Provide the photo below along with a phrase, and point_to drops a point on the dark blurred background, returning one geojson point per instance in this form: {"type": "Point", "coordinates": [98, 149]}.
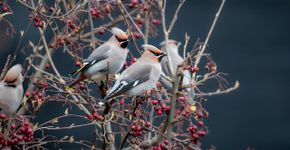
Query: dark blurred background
{"type": "Point", "coordinates": [251, 42]}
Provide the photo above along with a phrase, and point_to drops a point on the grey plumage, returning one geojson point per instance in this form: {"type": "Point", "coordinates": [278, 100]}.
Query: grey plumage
{"type": "Point", "coordinates": [171, 61]}
{"type": "Point", "coordinates": [139, 77]}
{"type": "Point", "coordinates": [107, 59]}
{"type": "Point", "coordinates": [11, 90]}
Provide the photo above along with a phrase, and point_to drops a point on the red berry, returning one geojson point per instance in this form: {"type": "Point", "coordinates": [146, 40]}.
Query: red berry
{"type": "Point", "coordinates": [2, 116]}
{"type": "Point", "coordinates": [194, 69]}
{"type": "Point", "coordinates": [134, 2]}
{"type": "Point", "coordinates": [60, 41]}
{"type": "Point", "coordinates": [78, 63]}
{"type": "Point", "coordinates": [145, 7]}
{"type": "Point", "coordinates": [36, 24]}
{"type": "Point", "coordinates": [41, 23]}
{"type": "Point", "coordinates": [108, 9]}
{"type": "Point", "coordinates": [200, 123]}
{"type": "Point", "coordinates": [199, 114]}
{"type": "Point", "coordinates": [138, 133]}
{"type": "Point", "coordinates": [156, 108]}
{"type": "Point", "coordinates": [4, 8]}
{"type": "Point", "coordinates": [26, 123]}
{"type": "Point", "coordinates": [137, 35]}
{"type": "Point", "coordinates": [163, 106]}
{"type": "Point", "coordinates": [156, 22]}
{"type": "Point", "coordinates": [195, 136]}
{"type": "Point", "coordinates": [148, 124]}
{"type": "Point", "coordinates": [134, 59]}
{"type": "Point", "coordinates": [69, 22]}
{"type": "Point", "coordinates": [201, 133]}
{"type": "Point", "coordinates": [138, 128]}
{"type": "Point", "coordinates": [95, 115]}
{"type": "Point", "coordinates": [158, 85]}
{"type": "Point", "coordinates": [82, 87]}
{"type": "Point", "coordinates": [90, 117]}
{"type": "Point", "coordinates": [22, 129]}
{"type": "Point", "coordinates": [122, 102]}
{"type": "Point", "coordinates": [47, 66]}
{"type": "Point", "coordinates": [13, 126]}
{"type": "Point", "coordinates": [167, 110]}
{"type": "Point", "coordinates": [186, 111]}
{"type": "Point", "coordinates": [27, 94]}
{"type": "Point", "coordinates": [182, 98]}
{"type": "Point", "coordinates": [154, 102]}
{"type": "Point", "coordinates": [166, 142]}
{"type": "Point", "coordinates": [159, 112]}
{"type": "Point", "coordinates": [133, 127]}
{"type": "Point", "coordinates": [101, 31]}
{"type": "Point", "coordinates": [29, 131]}
{"type": "Point", "coordinates": [36, 19]}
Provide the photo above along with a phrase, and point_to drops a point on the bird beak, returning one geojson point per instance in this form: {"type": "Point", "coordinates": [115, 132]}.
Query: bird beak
{"type": "Point", "coordinates": [161, 56]}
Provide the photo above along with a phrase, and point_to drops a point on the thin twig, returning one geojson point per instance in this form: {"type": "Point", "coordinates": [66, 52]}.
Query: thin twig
{"type": "Point", "coordinates": [204, 45]}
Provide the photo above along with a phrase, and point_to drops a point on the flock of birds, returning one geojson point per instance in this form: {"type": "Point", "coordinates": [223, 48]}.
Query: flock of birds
{"type": "Point", "coordinates": [107, 60]}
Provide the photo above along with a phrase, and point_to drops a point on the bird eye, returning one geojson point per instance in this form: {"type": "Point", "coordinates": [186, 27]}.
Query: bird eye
{"type": "Point", "coordinates": [124, 44]}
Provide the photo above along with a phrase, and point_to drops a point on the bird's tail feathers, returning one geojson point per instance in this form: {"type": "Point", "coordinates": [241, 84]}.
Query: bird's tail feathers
{"type": "Point", "coordinates": [69, 87]}
{"type": "Point", "coordinates": [77, 71]}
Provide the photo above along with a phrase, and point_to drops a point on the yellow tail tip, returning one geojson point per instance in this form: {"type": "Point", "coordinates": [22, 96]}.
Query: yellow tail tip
{"type": "Point", "coordinates": [192, 108]}
{"type": "Point", "coordinates": [68, 88]}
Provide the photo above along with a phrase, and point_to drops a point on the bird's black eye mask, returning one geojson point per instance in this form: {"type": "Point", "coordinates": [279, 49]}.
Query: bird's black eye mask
{"type": "Point", "coordinates": [156, 54]}
{"type": "Point", "coordinates": [123, 42]}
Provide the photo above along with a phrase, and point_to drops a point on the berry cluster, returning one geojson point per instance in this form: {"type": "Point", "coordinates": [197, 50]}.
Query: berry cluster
{"type": "Point", "coordinates": [196, 133]}
{"type": "Point", "coordinates": [72, 25]}
{"type": "Point", "coordinates": [137, 127]}
{"type": "Point", "coordinates": [94, 116]}
{"type": "Point", "coordinates": [38, 22]}
{"type": "Point", "coordinates": [18, 130]}
{"type": "Point", "coordinates": [162, 146]}
{"type": "Point", "coordinates": [37, 95]}
{"type": "Point", "coordinates": [160, 107]}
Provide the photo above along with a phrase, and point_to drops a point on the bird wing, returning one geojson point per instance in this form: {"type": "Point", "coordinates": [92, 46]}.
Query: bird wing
{"type": "Point", "coordinates": [99, 54]}
{"type": "Point", "coordinates": [131, 78]}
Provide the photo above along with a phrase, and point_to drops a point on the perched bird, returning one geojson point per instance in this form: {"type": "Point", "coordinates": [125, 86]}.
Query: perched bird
{"type": "Point", "coordinates": [140, 76]}
{"type": "Point", "coordinates": [171, 61]}
{"type": "Point", "coordinates": [107, 59]}
{"type": "Point", "coordinates": [11, 90]}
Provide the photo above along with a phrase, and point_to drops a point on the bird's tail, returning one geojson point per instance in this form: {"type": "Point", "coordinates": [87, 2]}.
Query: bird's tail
{"type": "Point", "coordinates": [77, 71]}
{"type": "Point", "coordinates": [69, 87]}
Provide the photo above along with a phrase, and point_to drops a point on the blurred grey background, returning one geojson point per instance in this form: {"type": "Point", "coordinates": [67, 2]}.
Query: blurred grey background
{"type": "Point", "coordinates": [251, 42]}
